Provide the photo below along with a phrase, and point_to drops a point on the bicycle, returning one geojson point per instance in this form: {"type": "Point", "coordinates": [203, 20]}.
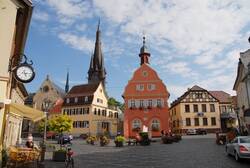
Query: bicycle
{"type": "Point", "coordinates": [69, 162]}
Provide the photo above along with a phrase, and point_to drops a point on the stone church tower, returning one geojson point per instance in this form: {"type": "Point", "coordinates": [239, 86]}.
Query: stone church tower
{"type": "Point", "coordinates": [97, 72]}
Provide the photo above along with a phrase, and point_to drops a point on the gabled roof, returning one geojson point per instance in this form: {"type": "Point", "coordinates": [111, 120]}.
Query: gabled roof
{"type": "Point", "coordinates": [86, 89]}
{"type": "Point", "coordinates": [194, 88]}
{"type": "Point", "coordinates": [197, 88]}
{"type": "Point", "coordinates": [59, 89]}
{"type": "Point", "coordinates": [222, 96]}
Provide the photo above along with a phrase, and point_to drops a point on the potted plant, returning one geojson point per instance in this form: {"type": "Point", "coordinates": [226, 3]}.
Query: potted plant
{"type": "Point", "coordinates": [144, 139]}
{"type": "Point", "coordinates": [91, 140]}
{"type": "Point", "coordinates": [119, 141]}
{"type": "Point", "coordinates": [104, 140]}
{"type": "Point", "coordinates": [59, 155]}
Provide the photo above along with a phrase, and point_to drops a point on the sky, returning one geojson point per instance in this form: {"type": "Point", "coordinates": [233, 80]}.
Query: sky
{"type": "Point", "coordinates": [194, 42]}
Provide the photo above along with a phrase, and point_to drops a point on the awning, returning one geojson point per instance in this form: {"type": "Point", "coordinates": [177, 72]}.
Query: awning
{"type": "Point", "coordinates": [25, 111]}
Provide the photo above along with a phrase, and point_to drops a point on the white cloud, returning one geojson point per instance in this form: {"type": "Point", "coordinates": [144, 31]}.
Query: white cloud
{"type": "Point", "coordinates": [79, 43]}
{"type": "Point", "coordinates": [68, 11]}
{"type": "Point", "coordinates": [40, 15]}
{"type": "Point", "coordinates": [180, 68]}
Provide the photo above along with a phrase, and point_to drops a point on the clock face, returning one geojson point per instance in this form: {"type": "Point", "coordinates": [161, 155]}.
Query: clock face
{"type": "Point", "coordinates": [24, 73]}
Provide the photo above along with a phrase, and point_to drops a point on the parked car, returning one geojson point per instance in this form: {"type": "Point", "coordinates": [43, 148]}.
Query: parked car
{"type": "Point", "coordinates": [201, 131]}
{"type": "Point", "coordinates": [63, 139]}
{"type": "Point", "coordinates": [239, 147]}
{"type": "Point", "coordinates": [191, 132]}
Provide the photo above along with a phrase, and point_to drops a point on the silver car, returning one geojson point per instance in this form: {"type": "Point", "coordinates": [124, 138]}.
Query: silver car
{"type": "Point", "coordinates": [239, 148]}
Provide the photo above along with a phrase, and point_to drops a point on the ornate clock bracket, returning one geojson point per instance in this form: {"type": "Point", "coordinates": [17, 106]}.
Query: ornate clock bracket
{"type": "Point", "coordinates": [25, 62]}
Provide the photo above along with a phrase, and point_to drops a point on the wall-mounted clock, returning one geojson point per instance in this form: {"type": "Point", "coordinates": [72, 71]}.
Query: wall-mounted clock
{"type": "Point", "coordinates": [24, 73]}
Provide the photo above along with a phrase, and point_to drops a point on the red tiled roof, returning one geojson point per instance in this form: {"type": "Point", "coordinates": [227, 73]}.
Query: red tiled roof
{"type": "Point", "coordinates": [57, 107]}
{"type": "Point", "coordinates": [222, 96]}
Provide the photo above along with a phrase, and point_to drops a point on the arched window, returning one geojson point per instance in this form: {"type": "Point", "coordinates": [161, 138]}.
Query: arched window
{"type": "Point", "coordinates": [136, 123]}
{"type": "Point", "coordinates": [155, 124]}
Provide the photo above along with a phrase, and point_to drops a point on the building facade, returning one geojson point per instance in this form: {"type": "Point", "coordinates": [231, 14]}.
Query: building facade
{"type": "Point", "coordinates": [87, 106]}
{"type": "Point", "coordinates": [227, 113]}
{"type": "Point", "coordinates": [48, 91]}
{"type": "Point", "coordinates": [196, 108]}
{"type": "Point", "coordinates": [146, 100]}
{"type": "Point", "coordinates": [242, 88]}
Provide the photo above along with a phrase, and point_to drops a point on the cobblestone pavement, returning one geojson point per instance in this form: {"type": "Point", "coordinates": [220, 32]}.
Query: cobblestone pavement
{"type": "Point", "coordinates": [191, 152]}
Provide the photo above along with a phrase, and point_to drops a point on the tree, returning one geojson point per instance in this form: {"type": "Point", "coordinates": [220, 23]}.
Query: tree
{"type": "Point", "coordinates": [58, 124]}
{"type": "Point", "coordinates": [114, 103]}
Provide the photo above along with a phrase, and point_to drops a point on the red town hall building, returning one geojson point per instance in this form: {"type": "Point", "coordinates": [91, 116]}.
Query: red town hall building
{"type": "Point", "coordinates": [146, 100]}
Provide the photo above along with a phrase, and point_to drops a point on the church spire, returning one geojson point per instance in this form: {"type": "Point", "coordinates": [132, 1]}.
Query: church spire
{"type": "Point", "coordinates": [67, 82]}
{"type": "Point", "coordinates": [144, 53]}
{"type": "Point", "coordinates": [97, 72]}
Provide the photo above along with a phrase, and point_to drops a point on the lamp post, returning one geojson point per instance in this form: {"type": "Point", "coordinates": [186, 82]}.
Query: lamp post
{"type": "Point", "coordinates": [238, 118]}
{"type": "Point", "coordinates": [46, 105]}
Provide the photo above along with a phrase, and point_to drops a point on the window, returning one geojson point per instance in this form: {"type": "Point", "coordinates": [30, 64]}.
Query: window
{"type": "Point", "coordinates": [103, 112]}
{"type": "Point", "coordinates": [187, 108]}
{"type": "Point", "coordinates": [155, 124]}
{"type": "Point", "coordinates": [76, 99]}
{"type": "Point", "coordinates": [204, 121]}
{"type": "Point", "coordinates": [196, 122]}
{"type": "Point", "coordinates": [213, 121]}
{"type": "Point", "coordinates": [136, 123]}
{"type": "Point", "coordinates": [150, 104]}
{"type": "Point", "coordinates": [81, 124]}
{"type": "Point", "coordinates": [139, 87]}
{"type": "Point", "coordinates": [223, 109]}
{"type": "Point", "coordinates": [195, 108]}
{"type": "Point", "coordinates": [86, 99]}
{"type": "Point", "coordinates": [133, 103]}
{"type": "Point", "coordinates": [212, 108]}
{"type": "Point", "coordinates": [80, 111]}
{"type": "Point", "coordinates": [95, 111]}
{"type": "Point", "coordinates": [45, 89]}
{"type": "Point", "coordinates": [151, 87]}
{"type": "Point", "coordinates": [99, 100]}
{"type": "Point", "coordinates": [141, 103]}
{"type": "Point", "coordinates": [145, 73]}
{"type": "Point", "coordinates": [198, 95]}
{"type": "Point", "coordinates": [204, 108]}
{"type": "Point", "coordinates": [99, 112]}
{"type": "Point", "coordinates": [188, 122]}
{"type": "Point", "coordinates": [88, 110]}
{"type": "Point", "coordinates": [67, 100]}
{"type": "Point", "coordinates": [158, 102]}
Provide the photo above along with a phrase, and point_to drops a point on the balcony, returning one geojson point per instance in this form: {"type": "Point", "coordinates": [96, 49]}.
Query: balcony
{"type": "Point", "coordinates": [227, 115]}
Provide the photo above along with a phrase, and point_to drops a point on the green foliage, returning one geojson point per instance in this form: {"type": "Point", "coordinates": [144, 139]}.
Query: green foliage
{"type": "Point", "coordinates": [120, 138]}
{"type": "Point", "coordinates": [113, 102]}
{"type": "Point", "coordinates": [58, 124]}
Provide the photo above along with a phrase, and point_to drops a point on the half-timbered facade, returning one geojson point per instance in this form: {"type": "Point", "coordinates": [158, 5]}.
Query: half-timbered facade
{"type": "Point", "coordinates": [196, 108]}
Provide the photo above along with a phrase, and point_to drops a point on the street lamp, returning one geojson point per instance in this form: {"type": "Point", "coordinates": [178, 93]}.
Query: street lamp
{"type": "Point", "coordinates": [238, 118]}
{"type": "Point", "coordinates": [45, 106]}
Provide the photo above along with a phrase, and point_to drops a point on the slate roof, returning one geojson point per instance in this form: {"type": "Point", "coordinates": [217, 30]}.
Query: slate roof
{"type": "Point", "coordinates": [86, 89]}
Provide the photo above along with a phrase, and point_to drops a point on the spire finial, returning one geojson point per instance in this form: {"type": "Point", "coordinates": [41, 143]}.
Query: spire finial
{"type": "Point", "coordinates": [67, 82]}
{"type": "Point", "coordinates": [98, 27]}
{"type": "Point", "coordinates": [144, 39]}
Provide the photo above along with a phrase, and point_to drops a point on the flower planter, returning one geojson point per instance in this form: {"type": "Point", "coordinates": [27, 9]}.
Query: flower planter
{"type": "Point", "coordinates": [118, 144]}
{"type": "Point", "coordinates": [59, 156]}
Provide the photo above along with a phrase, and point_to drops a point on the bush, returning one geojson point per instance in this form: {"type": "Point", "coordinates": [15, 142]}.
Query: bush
{"type": "Point", "coordinates": [91, 140]}
{"type": "Point", "coordinates": [104, 141]}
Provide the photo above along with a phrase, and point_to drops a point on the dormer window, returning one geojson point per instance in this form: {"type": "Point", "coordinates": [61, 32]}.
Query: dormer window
{"type": "Point", "coordinates": [67, 100]}
{"type": "Point", "coordinates": [86, 99]}
{"type": "Point", "coordinates": [151, 87]}
{"type": "Point", "coordinates": [139, 87]}
{"type": "Point", "coordinates": [76, 99]}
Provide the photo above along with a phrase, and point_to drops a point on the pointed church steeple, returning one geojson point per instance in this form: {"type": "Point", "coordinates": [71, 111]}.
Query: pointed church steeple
{"type": "Point", "coordinates": [144, 53]}
{"type": "Point", "coordinates": [97, 72]}
{"type": "Point", "coordinates": [67, 83]}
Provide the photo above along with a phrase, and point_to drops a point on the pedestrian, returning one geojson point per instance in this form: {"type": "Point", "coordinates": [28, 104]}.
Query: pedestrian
{"type": "Point", "coordinates": [29, 142]}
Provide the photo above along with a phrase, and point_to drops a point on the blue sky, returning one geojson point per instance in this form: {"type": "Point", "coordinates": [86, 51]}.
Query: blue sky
{"type": "Point", "coordinates": [191, 42]}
